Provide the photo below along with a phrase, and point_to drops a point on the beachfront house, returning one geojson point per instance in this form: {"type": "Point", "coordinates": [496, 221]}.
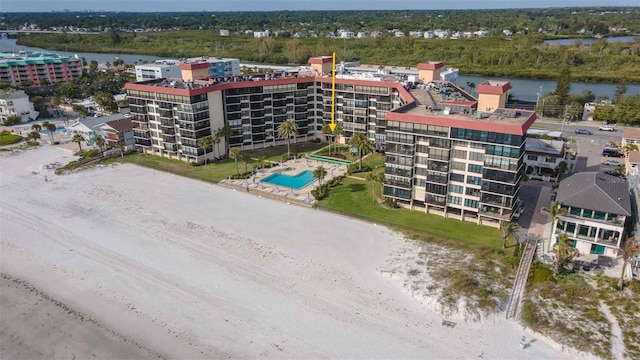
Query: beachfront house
{"type": "Point", "coordinates": [119, 131]}
{"type": "Point", "coordinates": [542, 158]}
{"type": "Point", "coordinates": [598, 209]}
{"type": "Point", "coordinates": [16, 103]}
{"type": "Point", "coordinates": [91, 127]}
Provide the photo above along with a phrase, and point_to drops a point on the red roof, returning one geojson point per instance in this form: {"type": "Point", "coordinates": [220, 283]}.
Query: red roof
{"type": "Point", "coordinates": [120, 125]}
{"type": "Point", "coordinates": [430, 65]}
{"type": "Point", "coordinates": [194, 66]}
{"type": "Point", "coordinates": [493, 87]}
{"type": "Point", "coordinates": [321, 60]}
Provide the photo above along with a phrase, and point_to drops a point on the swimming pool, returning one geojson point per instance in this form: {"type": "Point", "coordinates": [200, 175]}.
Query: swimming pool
{"type": "Point", "coordinates": [59, 128]}
{"type": "Point", "coordinates": [297, 181]}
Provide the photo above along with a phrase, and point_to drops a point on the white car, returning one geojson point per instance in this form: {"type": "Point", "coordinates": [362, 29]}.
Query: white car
{"type": "Point", "coordinates": [606, 128]}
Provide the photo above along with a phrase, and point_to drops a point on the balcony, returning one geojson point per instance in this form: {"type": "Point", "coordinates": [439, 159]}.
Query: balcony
{"type": "Point", "coordinates": [402, 184]}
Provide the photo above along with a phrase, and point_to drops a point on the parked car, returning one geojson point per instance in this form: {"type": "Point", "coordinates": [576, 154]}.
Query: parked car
{"type": "Point", "coordinates": [610, 152]}
{"type": "Point", "coordinates": [518, 211]}
{"type": "Point", "coordinates": [606, 128]}
{"type": "Point", "coordinates": [614, 173]}
{"type": "Point", "coordinates": [583, 132]}
{"type": "Point", "coordinates": [612, 163]}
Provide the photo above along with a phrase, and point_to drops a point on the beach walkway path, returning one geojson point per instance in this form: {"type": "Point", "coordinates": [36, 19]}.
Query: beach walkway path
{"type": "Point", "coordinates": [517, 292]}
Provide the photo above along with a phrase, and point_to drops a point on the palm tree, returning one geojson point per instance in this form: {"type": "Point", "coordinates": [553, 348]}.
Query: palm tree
{"type": "Point", "coordinates": [216, 138]}
{"type": "Point", "coordinates": [78, 139]}
{"type": "Point", "coordinates": [51, 128]}
{"type": "Point", "coordinates": [556, 210]}
{"type": "Point", "coordinates": [33, 135]}
{"type": "Point", "coordinates": [563, 253]}
{"type": "Point", "coordinates": [630, 250]}
{"type": "Point", "coordinates": [204, 142]}
{"type": "Point", "coordinates": [363, 144]}
{"type": "Point", "coordinates": [508, 228]}
{"type": "Point", "coordinates": [261, 161]}
{"type": "Point", "coordinates": [320, 173]}
{"type": "Point", "coordinates": [235, 155]}
{"type": "Point", "coordinates": [326, 129]}
{"type": "Point", "coordinates": [121, 147]}
{"type": "Point", "coordinates": [629, 147]}
{"type": "Point", "coordinates": [36, 127]}
{"type": "Point", "coordinates": [286, 130]}
{"type": "Point", "coordinates": [224, 132]}
{"type": "Point", "coordinates": [337, 131]}
{"type": "Point", "coordinates": [100, 143]}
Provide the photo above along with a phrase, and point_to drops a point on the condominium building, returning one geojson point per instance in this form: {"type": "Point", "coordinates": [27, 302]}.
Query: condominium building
{"type": "Point", "coordinates": [447, 152]}
{"type": "Point", "coordinates": [158, 70]}
{"type": "Point", "coordinates": [16, 103]}
{"type": "Point", "coordinates": [38, 68]}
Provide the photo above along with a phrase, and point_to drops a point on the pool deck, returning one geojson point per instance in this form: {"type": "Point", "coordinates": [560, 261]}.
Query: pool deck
{"type": "Point", "coordinates": [300, 196]}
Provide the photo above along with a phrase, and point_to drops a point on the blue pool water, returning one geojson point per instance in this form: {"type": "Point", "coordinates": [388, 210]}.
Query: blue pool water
{"type": "Point", "coordinates": [59, 128]}
{"type": "Point", "coordinates": [297, 181]}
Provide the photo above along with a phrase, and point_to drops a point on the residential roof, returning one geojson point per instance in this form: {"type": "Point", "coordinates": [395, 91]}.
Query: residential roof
{"type": "Point", "coordinates": [430, 65]}
{"type": "Point", "coordinates": [634, 157]}
{"type": "Point", "coordinates": [631, 133]}
{"type": "Point", "coordinates": [121, 124]}
{"type": "Point", "coordinates": [94, 123]}
{"type": "Point", "coordinates": [320, 59]}
{"type": "Point", "coordinates": [493, 87]}
{"type": "Point", "coordinates": [595, 191]}
{"type": "Point", "coordinates": [12, 94]}
{"type": "Point", "coordinates": [544, 147]}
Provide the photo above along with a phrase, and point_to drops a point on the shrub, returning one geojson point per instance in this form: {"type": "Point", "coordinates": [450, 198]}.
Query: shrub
{"type": "Point", "coordinates": [91, 153]}
{"type": "Point", "coordinates": [353, 169]}
{"type": "Point", "coordinates": [391, 203]}
{"type": "Point", "coordinates": [12, 120]}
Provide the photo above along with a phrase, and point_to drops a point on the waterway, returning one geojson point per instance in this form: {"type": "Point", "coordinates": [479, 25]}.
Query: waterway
{"type": "Point", "coordinates": [588, 41]}
{"type": "Point", "coordinates": [525, 89]}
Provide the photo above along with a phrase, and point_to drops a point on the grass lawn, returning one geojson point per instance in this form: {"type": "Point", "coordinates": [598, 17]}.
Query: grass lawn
{"type": "Point", "coordinates": [219, 170]}
{"type": "Point", "coordinates": [374, 161]}
{"type": "Point", "coordinates": [7, 138]}
{"type": "Point", "coordinates": [354, 198]}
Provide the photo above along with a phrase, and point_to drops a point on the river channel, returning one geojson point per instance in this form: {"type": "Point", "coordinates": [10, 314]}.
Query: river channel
{"type": "Point", "coordinates": [525, 89]}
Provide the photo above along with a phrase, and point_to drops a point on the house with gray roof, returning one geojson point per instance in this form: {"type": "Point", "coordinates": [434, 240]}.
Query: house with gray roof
{"type": "Point", "coordinates": [91, 127]}
{"type": "Point", "coordinates": [598, 209]}
{"type": "Point", "coordinates": [542, 157]}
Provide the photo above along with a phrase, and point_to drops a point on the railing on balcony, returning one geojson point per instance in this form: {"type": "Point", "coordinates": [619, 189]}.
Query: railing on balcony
{"type": "Point", "coordinates": [402, 184]}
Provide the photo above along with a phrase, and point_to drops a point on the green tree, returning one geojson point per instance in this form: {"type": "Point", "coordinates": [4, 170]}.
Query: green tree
{"type": "Point", "coordinates": [78, 139]}
{"type": "Point", "coordinates": [99, 140]}
{"type": "Point", "coordinates": [556, 210]}
{"type": "Point", "coordinates": [93, 66]}
{"type": "Point", "coordinates": [286, 130]}
{"type": "Point", "coordinates": [508, 228]}
{"type": "Point", "coordinates": [12, 120]}
{"type": "Point", "coordinates": [326, 130]}
{"type": "Point", "coordinates": [36, 127]}
{"type": "Point", "coordinates": [205, 143]}
{"type": "Point", "coordinates": [235, 155]}
{"type": "Point", "coordinates": [337, 132]}
{"type": "Point", "coordinates": [320, 173]}
{"type": "Point", "coordinates": [107, 102]}
{"type": "Point", "coordinates": [373, 179]}
{"type": "Point", "coordinates": [33, 136]}
{"type": "Point", "coordinates": [629, 147]}
{"type": "Point", "coordinates": [563, 85]}
{"type": "Point", "coordinates": [362, 143]}
{"type": "Point", "coordinates": [215, 140]}
{"type": "Point", "coordinates": [121, 147]}
{"type": "Point", "coordinates": [631, 249]}
{"type": "Point", "coordinates": [51, 128]}
{"type": "Point", "coordinates": [563, 254]}
{"type": "Point", "coordinates": [621, 89]}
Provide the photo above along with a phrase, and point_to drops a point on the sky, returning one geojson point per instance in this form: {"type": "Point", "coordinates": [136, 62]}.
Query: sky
{"type": "Point", "coordinates": [271, 5]}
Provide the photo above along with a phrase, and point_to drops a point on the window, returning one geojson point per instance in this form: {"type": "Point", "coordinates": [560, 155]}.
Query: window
{"type": "Point", "coordinates": [475, 168]}
{"type": "Point", "coordinates": [476, 156]}
{"type": "Point", "coordinates": [456, 177]}
{"type": "Point", "coordinates": [457, 165]}
{"type": "Point", "coordinates": [474, 180]}
{"type": "Point", "coordinates": [454, 200]}
{"type": "Point", "coordinates": [459, 154]}
{"type": "Point", "coordinates": [532, 157]}
{"type": "Point", "coordinates": [471, 203]}
{"type": "Point", "coordinates": [597, 249]}
{"type": "Point", "coordinates": [455, 188]}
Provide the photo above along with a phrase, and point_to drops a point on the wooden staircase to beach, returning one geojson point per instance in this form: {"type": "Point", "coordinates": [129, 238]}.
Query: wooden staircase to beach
{"type": "Point", "coordinates": [515, 299]}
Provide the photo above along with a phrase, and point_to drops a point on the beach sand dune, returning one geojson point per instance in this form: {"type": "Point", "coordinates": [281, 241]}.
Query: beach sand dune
{"type": "Point", "coordinates": [127, 262]}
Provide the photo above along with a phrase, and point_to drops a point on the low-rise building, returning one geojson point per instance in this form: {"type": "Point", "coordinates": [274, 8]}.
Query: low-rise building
{"type": "Point", "coordinates": [542, 158]}
{"type": "Point", "coordinates": [598, 207]}
{"type": "Point", "coordinates": [158, 70]}
{"type": "Point", "coordinates": [16, 102]}
{"type": "Point", "coordinates": [224, 32]}
{"type": "Point", "coordinates": [119, 131]}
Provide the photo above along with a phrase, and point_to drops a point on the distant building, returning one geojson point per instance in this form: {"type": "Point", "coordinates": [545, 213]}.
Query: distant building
{"type": "Point", "coordinates": [38, 68]}
{"type": "Point", "coordinates": [16, 102]}
{"type": "Point", "coordinates": [224, 32]}
{"type": "Point", "coordinates": [158, 70]}
{"type": "Point", "coordinates": [632, 160]}
{"type": "Point", "coordinates": [216, 67]}
{"type": "Point", "coordinates": [261, 34]}
{"type": "Point", "coordinates": [398, 34]}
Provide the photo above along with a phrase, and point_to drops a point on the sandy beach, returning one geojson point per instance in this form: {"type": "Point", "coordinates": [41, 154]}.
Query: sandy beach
{"type": "Point", "coordinates": [126, 262]}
